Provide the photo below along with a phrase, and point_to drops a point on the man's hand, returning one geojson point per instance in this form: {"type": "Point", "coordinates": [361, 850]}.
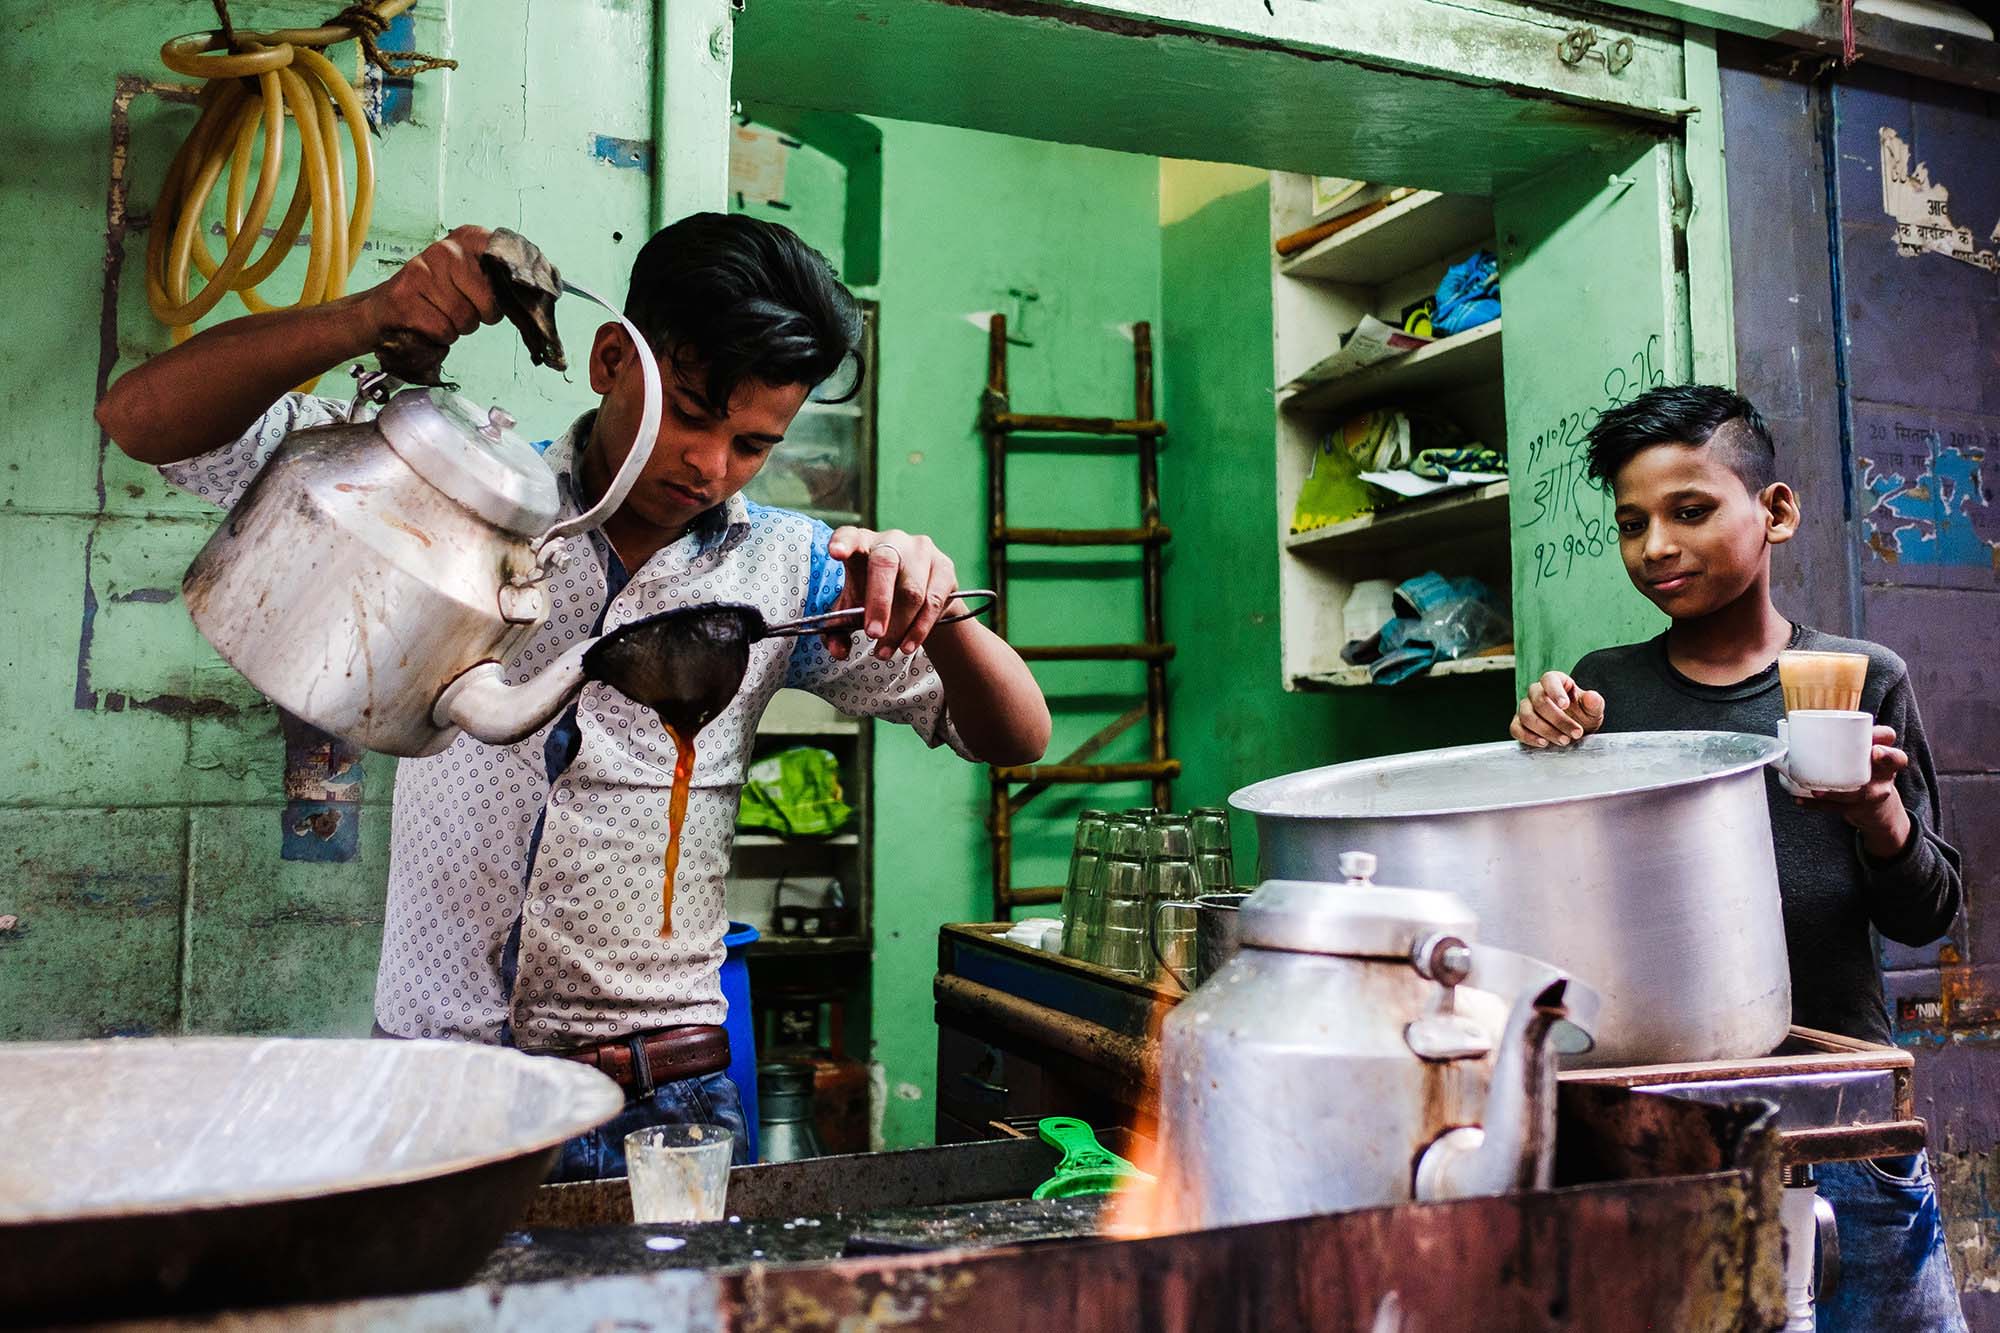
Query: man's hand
{"type": "Point", "coordinates": [429, 303]}
{"type": "Point", "coordinates": [1556, 712]}
{"type": "Point", "coordinates": [903, 581]}
{"type": "Point", "coordinates": [1876, 809]}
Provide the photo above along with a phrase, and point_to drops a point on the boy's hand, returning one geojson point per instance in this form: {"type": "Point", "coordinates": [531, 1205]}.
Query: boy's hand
{"type": "Point", "coordinates": [430, 302]}
{"type": "Point", "coordinates": [1556, 712]}
{"type": "Point", "coordinates": [1876, 809]}
{"type": "Point", "coordinates": [904, 582]}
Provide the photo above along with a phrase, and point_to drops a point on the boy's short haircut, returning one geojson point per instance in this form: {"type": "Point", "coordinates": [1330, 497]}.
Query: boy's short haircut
{"type": "Point", "coordinates": [1687, 414]}
{"type": "Point", "coordinates": [744, 299]}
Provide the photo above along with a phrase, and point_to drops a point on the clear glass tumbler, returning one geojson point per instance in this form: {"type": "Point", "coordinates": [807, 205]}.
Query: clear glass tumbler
{"type": "Point", "coordinates": [1083, 902]}
{"type": "Point", "coordinates": [1211, 828]}
{"type": "Point", "coordinates": [1122, 946]}
{"type": "Point", "coordinates": [678, 1173]}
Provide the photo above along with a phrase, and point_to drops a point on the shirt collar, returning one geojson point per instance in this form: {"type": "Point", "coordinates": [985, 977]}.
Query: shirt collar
{"type": "Point", "coordinates": [716, 532]}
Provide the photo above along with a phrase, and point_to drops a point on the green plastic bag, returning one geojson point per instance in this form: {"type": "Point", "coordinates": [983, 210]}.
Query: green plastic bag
{"type": "Point", "coordinates": [1333, 490]}
{"type": "Point", "coordinates": [795, 793]}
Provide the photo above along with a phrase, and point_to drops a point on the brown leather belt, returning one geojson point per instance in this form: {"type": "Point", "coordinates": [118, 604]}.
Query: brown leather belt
{"type": "Point", "coordinates": [643, 1062]}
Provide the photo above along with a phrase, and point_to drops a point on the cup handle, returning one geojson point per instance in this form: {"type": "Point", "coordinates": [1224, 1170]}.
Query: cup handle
{"type": "Point", "coordinates": [1153, 939]}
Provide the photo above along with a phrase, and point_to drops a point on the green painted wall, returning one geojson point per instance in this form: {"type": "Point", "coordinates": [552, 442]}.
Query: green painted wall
{"type": "Point", "coordinates": [1586, 263]}
{"type": "Point", "coordinates": [967, 218]}
{"type": "Point", "coordinates": [140, 800]}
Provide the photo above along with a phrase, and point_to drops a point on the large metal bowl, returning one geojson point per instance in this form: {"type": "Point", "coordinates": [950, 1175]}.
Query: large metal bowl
{"type": "Point", "coordinates": [1641, 862]}
{"type": "Point", "coordinates": [156, 1174]}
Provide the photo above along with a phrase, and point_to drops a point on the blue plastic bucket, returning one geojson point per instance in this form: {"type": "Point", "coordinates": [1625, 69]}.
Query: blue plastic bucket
{"type": "Point", "coordinates": [739, 1024]}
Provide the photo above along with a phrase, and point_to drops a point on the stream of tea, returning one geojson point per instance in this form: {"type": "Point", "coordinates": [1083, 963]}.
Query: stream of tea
{"type": "Point", "coordinates": [677, 808]}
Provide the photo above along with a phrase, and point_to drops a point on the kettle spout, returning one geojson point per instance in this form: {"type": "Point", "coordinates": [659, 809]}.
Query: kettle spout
{"type": "Point", "coordinates": [1515, 1148]}
{"type": "Point", "coordinates": [481, 703]}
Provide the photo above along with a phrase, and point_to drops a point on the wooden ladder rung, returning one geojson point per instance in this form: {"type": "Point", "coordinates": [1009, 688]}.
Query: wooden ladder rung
{"type": "Point", "coordinates": [1139, 772]}
{"type": "Point", "coordinates": [1033, 424]}
{"type": "Point", "coordinates": [1046, 893]}
{"type": "Point", "coordinates": [1156, 535]}
{"type": "Point", "coordinates": [1097, 652]}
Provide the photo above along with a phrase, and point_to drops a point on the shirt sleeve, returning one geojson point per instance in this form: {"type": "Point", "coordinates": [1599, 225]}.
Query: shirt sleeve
{"type": "Point", "coordinates": [1914, 896]}
{"type": "Point", "coordinates": [903, 689]}
{"type": "Point", "coordinates": [221, 475]}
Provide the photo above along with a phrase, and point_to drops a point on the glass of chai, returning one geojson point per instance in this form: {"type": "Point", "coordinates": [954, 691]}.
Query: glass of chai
{"type": "Point", "coordinates": [1831, 741]}
{"type": "Point", "coordinates": [678, 1173]}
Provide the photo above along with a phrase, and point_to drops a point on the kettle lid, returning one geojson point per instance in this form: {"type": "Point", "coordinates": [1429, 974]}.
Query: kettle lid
{"type": "Point", "coordinates": [473, 455]}
{"type": "Point", "coordinates": [1355, 919]}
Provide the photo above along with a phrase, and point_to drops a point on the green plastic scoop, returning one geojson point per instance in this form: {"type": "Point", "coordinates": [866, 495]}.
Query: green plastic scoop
{"type": "Point", "coordinates": [1087, 1167]}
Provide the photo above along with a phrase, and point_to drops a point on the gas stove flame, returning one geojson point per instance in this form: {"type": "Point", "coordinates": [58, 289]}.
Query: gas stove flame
{"type": "Point", "coordinates": [1141, 1208]}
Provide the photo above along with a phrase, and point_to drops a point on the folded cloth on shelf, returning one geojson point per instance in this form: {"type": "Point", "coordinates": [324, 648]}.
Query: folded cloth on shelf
{"type": "Point", "coordinates": [1439, 464]}
{"type": "Point", "coordinates": [1468, 295]}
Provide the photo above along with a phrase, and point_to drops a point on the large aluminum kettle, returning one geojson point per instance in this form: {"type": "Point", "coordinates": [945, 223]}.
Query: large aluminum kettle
{"type": "Point", "coordinates": [377, 573]}
{"type": "Point", "coordinates": [1360, 1050]}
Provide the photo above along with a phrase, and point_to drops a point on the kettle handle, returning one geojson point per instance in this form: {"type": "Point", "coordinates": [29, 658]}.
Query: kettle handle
{"type": "Point", "coordinates": [642, 446]}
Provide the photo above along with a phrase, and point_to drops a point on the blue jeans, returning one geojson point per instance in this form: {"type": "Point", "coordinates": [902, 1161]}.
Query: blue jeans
{"type": "Point", "coordinates": [1894, 1273]}
{"type": "Point", "coordinates": [711, 1100]}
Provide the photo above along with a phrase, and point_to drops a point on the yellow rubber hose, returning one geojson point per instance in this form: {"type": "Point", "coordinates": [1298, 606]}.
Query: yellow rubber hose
{"type": "Point", "coordinates": [252, 83]}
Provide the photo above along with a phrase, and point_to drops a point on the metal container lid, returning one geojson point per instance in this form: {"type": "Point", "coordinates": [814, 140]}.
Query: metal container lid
{"type": "Point", "coordinates": [472, 455]}
{"type": "Point", "coordinates": [1355, 919]}
{"type": "Point", "coordinates": [1504, 775]}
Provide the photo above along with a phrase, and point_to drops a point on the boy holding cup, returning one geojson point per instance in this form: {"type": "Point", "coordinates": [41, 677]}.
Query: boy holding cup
{"type": "Point", "coordinates": [1693, 474]}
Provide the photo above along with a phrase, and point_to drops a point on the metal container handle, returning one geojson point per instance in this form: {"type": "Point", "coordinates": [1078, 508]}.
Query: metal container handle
{"type": "Point", "coordinates": [642, 445]}
{"type": "Point", "coordinates": [1153, 938]}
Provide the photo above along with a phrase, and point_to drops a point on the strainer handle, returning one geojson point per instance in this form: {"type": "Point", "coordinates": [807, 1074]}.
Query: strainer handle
{"type": "Point", "coordinates": [850, 617]}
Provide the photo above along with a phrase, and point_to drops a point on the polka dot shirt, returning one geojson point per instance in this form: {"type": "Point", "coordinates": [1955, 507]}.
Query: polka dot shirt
{"type": "Point", "coordinates": [592, 966]}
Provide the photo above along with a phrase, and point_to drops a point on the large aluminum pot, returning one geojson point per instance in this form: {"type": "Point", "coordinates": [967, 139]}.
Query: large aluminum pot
{"type": "Point", "coordinates": [140, 1176]}
{"type": "Point", "coordinates": [1640, 863]}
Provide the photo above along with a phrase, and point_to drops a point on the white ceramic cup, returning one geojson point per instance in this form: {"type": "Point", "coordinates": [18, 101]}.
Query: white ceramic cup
{"type": "Point", "coordinates": [1828, 749]}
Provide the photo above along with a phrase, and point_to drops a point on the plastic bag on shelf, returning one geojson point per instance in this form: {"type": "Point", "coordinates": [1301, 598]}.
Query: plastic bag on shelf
{"type": "Point", "coordinates": [795, 793]}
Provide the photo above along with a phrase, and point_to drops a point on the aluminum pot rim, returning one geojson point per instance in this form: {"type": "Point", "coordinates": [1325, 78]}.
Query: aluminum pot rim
{"type": "Point", "coordinates": [1255, 799]}
{"type": "Point", "coordinates": [592, 1099]}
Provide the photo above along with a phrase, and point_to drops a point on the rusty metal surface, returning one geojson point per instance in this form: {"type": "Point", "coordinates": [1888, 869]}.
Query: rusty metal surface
{"type": "Point", "coordinates": [1848, 1143]}
{"type": "Point", "coordinates": [1701, 1254]}
{"type": "Point", "coordinates": [804, 1238]}
{"type": "Point", "coordinates": [1695, 1251]}
{"type": "Point", "coordinates": [978, 1172]}
{"type": "Point", "coordinates": [1098, 1054]}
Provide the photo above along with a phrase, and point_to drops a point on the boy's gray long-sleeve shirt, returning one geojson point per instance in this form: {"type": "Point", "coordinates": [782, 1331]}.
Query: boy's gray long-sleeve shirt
{"type": "Point", "coordinates": [1833, 892]}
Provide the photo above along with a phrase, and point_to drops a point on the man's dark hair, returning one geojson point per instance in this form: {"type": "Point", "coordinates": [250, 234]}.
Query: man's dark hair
{"type": "Point", "coordinates": [1690, 414]}
{"type": "Point", "coordinates": [745, 299]}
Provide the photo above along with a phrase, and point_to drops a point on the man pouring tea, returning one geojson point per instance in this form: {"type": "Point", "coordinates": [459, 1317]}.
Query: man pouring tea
{"type": "Point", "coordinates": [524, 900]}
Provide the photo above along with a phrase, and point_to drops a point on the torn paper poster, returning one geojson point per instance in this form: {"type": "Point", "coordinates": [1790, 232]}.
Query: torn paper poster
{"type": "Point", "coordinates": [757, 159]}
{"type": "Point", "coordinates": [1922, 211]}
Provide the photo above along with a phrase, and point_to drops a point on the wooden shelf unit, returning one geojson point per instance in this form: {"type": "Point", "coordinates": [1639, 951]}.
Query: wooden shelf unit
{"type": "Point", "coordinates": [766, 868]}
{"type": "Point", "coordinates": [1466, 358]}
{"type": "Point", "coordinates": [1378, 267]}
{"type": "Point", "coordinates": [1349, 677]}
{"type": "Point", "coordinates": [1411, 523]}
{"type": "Point", "coordinates": [1407, 234]}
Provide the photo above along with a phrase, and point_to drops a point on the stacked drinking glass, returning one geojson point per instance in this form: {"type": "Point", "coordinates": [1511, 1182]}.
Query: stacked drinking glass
{"type": "Point", "coordinates": [1122, 867]}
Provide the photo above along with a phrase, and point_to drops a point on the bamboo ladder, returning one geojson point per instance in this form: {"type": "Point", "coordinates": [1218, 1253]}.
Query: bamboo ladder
{"type": "Point", "coordinates": [1014, 786]}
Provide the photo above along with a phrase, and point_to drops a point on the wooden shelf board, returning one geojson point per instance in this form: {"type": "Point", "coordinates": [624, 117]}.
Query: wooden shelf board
{"type": "Point", "coordinates": [1353, 676]}
{"type": "Point", "coordinates": [1425, 228]}
{"type": "Point", "coordinates": [1411, 523]}
{"type": "Point", "coordinates": [1463, 359]}
{"type": "Point", "coordinates": [794, 946]}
